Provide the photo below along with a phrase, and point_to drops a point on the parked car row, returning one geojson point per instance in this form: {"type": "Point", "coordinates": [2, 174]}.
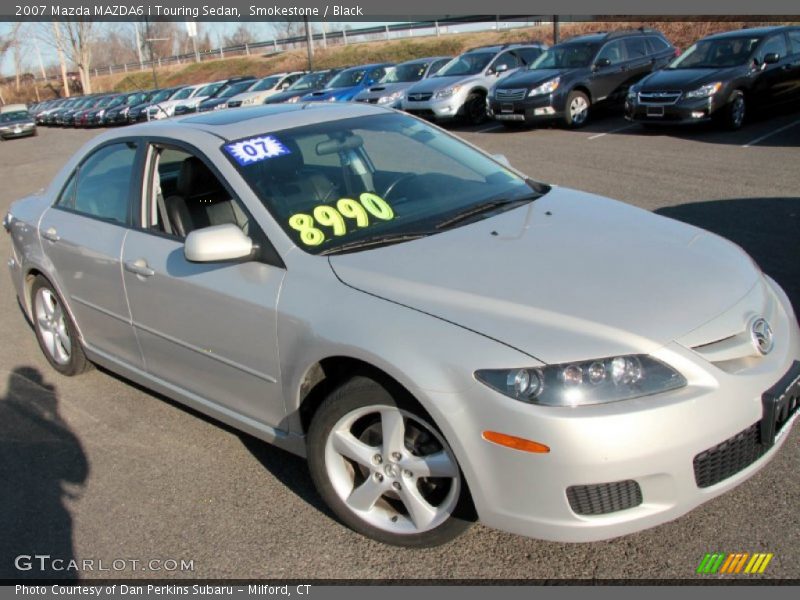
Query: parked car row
{"type": "Point", "coordinates": [718, 78]}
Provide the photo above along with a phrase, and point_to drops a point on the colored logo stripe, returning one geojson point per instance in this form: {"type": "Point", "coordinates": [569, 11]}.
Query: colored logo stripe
{"type": "Point", "coordinates": [720, 562]}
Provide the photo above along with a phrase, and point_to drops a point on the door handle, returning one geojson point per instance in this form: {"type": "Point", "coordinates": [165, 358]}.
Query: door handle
{"type": "Point", "coordinates": [139, 267]}
{"type": "Point", "coordinates": [51, 235]}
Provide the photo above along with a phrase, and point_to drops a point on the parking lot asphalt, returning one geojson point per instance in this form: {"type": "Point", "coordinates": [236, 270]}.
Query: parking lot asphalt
{"type": "Point", "coordinates": [97, 468]}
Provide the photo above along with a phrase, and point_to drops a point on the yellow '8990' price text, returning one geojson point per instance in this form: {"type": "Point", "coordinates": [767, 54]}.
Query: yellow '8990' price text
{"type": "Point", "coordinates": [337, 218]}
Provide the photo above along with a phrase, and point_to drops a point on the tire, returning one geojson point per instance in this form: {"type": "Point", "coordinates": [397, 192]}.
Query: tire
{"type": "Point", "coordinates": [734, 112]}
{"type": "Point", "coordinates": [370, 485]}
{"type": "Point", "coordinates": [56, 333]}
{"type": "Point", "coordinates": [475, 108]}
{"type": "Point", "coordinates": [576, 112]}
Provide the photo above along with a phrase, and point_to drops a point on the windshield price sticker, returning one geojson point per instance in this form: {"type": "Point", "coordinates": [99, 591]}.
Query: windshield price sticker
{"type": "Point", "coordinates": [368, 205]}
{"type": "Point", "coordinates": [247, 152]}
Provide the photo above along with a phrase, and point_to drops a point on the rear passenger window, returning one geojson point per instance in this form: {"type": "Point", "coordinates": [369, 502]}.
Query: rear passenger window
{"type": "Point", "coordinates": [636, 47]}
{"type": "Point", "coordinates": [104, 184]}
{"type": "Point", "coordinates": [528, 55]}
{"type": "Point", "coordinates": [657, 44]}
{"type": "Point", "coordinates": [794, 40]}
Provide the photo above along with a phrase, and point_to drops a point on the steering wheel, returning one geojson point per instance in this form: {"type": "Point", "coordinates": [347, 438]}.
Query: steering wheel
{"type": "Point", "coordinates": [391, 187]}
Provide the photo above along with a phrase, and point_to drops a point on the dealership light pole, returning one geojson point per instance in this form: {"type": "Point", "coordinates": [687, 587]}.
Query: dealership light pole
{"type": "Point", "coordinates": [309, 44]}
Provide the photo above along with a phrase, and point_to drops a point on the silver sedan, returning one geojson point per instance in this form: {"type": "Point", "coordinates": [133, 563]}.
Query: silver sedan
{"type": "Point", "coordinates": [442, 337]}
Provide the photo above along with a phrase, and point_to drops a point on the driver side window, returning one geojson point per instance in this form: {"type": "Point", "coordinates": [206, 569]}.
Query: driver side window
{"type": "Point", "coordinates": [774, 45]}
{"type": "Point", "coordinates": [185, 195]}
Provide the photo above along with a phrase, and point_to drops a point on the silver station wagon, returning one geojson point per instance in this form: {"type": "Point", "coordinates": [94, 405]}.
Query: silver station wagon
{"type": "Point", "coordinates": [442, 337]}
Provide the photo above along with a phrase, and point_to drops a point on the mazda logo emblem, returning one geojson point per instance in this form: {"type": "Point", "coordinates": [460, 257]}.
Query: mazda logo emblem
{"type": "Point", "coordinates": [761, 336]}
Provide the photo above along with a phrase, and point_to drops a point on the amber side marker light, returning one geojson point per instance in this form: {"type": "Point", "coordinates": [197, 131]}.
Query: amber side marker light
{"type": "Point", "coordinates": [516, 443]}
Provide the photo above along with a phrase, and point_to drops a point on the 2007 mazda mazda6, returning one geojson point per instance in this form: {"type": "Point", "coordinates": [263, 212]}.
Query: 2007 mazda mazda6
{"type": "Point", "coordinates": [442, 337]}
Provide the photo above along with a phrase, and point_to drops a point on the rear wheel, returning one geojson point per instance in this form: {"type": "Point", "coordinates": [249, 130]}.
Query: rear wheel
{"type": "Point", "coordinates": [475, 108]}
{"type": "Point", "coordinates": [577, 110]}
{"type": "Point", "coordinates": [55, 331]}
{"type": "Point", "coordinates": [384, 468]}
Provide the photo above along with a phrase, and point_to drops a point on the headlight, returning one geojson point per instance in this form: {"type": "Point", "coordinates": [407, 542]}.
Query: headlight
{"type": "Point", "coordinates": [447, 92]}
{"type": "Point", "coordinates": [332, 99]}
{"type": "Point", "coordinates": [294, 99]}
{"type": "Point", "coordinates": [390, 98]}
{"type": "Point", "coordinates": [548, 87]}
{"type": "Point", "coordinates": [705, 91]}
{"type": "Point", "coordinates": [633, 93]}
{"type": "Point", "coordinates": [591, 382]}
{"type": "Point", "coordinates": [125, 110]}
{"type": "Point", "coordinates": [100, 113]}
{"type": "Point", "coordinates": [221, 106]}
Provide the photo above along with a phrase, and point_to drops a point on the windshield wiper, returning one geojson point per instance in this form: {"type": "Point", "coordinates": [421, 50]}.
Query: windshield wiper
{"type": "Point", "coordinates": [377, 240]}
{"type": "Point", "coordinates": [484, 207]}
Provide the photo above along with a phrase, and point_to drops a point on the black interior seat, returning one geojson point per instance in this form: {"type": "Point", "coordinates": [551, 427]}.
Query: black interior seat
{"type": "Point", "coordinates": [200, 199]}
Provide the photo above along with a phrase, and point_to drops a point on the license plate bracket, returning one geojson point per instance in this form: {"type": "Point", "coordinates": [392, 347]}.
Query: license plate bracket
{"type": "Point", "coordinates": [506, 108]}
{"type": "Point", "coordinates": [655, 111]}
{"type": "Point", "coordinates": [780, 405]}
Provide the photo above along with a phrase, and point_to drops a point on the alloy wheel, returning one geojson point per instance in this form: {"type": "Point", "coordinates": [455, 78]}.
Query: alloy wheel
{"type": "Point", "coordinates": [52, 325]}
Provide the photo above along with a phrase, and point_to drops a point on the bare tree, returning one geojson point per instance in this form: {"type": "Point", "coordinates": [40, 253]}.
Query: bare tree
{"type": "Point", "coordinates": [287, 29]}
{"type": "Point", "coordinates": [243, 34]}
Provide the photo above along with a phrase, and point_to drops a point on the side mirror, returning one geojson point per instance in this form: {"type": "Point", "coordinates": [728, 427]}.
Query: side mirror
{"type": "Point", "coordinates": [602, 62]}
{"type": "Point", "coordinates": [285, 86]}
{"type": "Point", "coordinates": [502, 159]}
{"type": "Point", "coordinates": [771, 58]}
{"type": "Point", "coordinates": [217, 243]}
{"type": "Point", "coordinates": [500, 69]}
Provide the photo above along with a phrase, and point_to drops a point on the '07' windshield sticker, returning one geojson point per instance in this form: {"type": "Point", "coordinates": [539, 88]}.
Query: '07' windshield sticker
{"type": "Point", "coordinates": [255, 149]}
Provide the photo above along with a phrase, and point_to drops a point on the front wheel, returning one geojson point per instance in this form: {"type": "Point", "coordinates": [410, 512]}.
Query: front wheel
{"type": "Point", "coordinates": [385, 469]}
{"type": "Point", "coordinates": [735, 111]}
{"type": "Point", "coordinates": [577, 110]}
{"type": "Point", "coordinates": [475, 108]}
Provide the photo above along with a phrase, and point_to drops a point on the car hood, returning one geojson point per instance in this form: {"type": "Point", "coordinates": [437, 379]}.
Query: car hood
{"type": "Point", "coordinates": [385, 89]}
{"type": "Point", "coordinates": [525, 78]}
{"type": "Point", "coordinates": [433, 84]}
{"type": "Point", "coordinates": [346, 93]}
{"type": "Point", "coordinates": [284, 96]}
{"type": "Point", "coordinates": [685, 79]}
{"type": "Point", "coordinates": [13, 122]}
{"type": "Point", "coordinates": [568, 277]}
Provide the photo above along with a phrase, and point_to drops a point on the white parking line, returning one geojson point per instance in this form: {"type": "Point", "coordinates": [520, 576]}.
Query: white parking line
{"type": "Point", "coordinates": [770, 134]}
{"type": "Point", "coordinates": [489, 128]}
{"type": "Point", "coordinates": [599, 135]}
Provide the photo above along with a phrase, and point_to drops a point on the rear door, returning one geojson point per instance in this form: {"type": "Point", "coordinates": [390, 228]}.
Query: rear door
{"type": "Point", "coordinates": [83, 234]}
{"type": "Point", "coordinates": [794, 63]}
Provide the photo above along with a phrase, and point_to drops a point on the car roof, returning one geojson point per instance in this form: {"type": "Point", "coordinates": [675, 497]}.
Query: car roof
{"type": "Point", "coordinates": [247, 122]}
{"type": "Point", "coordinates": [751, 32]}
{"type": "Point", "coordinates": [369, 66]}
{"type": "Point", "coordinates": [427, 59]}
{"type": "Point", "coordinates": [499, 47]}
{"type": "Point", "coordinates": [13, 108]}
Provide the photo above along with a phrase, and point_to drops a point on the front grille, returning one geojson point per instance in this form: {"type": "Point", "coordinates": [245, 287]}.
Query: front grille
{"type": "Point", "coordinates": [515, 94]}
{"type": "Point", "coordinates": [604, 498]}
{"type": "Point", "coordinates": [669, 97]}
{"type": "Point", "coordinates": [424, 114]}
{"type": "Point", "coordinates": [728, 458]}
{"type": "Point", "coordinates": [420, 96]}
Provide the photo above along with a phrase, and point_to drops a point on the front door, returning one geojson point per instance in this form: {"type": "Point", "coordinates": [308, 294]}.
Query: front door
{"type": "Point", "coordinates": [207, 328]}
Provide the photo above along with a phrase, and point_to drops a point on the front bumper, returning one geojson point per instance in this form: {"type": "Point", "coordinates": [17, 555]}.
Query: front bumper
{"type": "Point", "coordinates": [438, 109]}
{"type": "Point", "coordinates": [12, 133]}
{"type": "Point", "coordinates": [653, 443]}
{"type": "Point", "coordinates": [528, 110]}
{"type": "Point", "coordinates": [683, 111]}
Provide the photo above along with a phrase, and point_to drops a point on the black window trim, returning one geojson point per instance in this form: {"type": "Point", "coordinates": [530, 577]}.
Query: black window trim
{"type": "Point", "coordinates": [268, 255]}
{"type": "Point", "coordinates": [134, 191]}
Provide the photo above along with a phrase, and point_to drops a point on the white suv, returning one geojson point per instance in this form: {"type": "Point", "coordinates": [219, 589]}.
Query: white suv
{"type": "Point", "coordinates": [460, 87]}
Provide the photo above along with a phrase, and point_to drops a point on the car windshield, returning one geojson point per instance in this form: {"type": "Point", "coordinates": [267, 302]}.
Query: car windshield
{"type": "Point", "coordinates": [18, 115]}
{"type": "Point", "coordinates": [183, 94]}
{"type": "Point", "coordinates": [716, 53]}
{"type": "Point", "coordinates": [310, 81]}
{"type": "Point", "coordinates": [116, 101]}
{"type": "Point", "coordinates": [568, 56]}
{"type": "Point", "coordinates": [266, 84]}
{"type": "Point", "coordinates": [466, 64]}
{"type": "Point", "coordinates": [389, 176]}
{"type": "Point", "coordinates": [163, 95]}
{"type": "Point", "coordinates": [209, 90]}
{"type": "Point", "coordinates": [402, 73]}
{"type": "Point", "coordinates": [134, 99]}
{"type": "Point", "coordinates": [234, 88]}
{"type": "Point", "coordinates": [348, 78]}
